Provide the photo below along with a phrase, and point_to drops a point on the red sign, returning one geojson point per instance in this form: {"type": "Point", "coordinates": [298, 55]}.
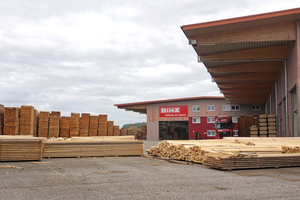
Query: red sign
{"type": "Point", "coordinates": [173, 111]}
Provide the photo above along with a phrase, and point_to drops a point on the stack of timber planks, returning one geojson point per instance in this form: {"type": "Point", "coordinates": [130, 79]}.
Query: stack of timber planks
{"type": "Point", "coordinates": [74, 124]}
{"type": "Point", "coordinates": [134, 130]}
{"type": "Point", "coordinates": [26, 120]}
{"type": "Point", "coordinates": [254, 132]}
{"type": "Point", "coordinates": [43, 129]}
{"type": "Point", "coordinates": [84, 125]}
{"type": "Point", "coordinates": [142, 134]}
{"type": "Point", "coordinates": [102, 125]}
{"type": "Point", "coordinates": [20, 148]}
{"type": "Point", "coordinates": [54, 122]}
{"type": "Point", "coordinates": [64, 130]}
{"type": "Point", "coordinates": [11, 121]}
{"type": "Point", "coordinates": [1, 118]}
{"type": "Point", "coordinates": [35, 123]}
{"type": "Point", "coordinates": [267, 125]}
{"type": "Point", "coordinates": [234, 153]}
{"type": "Point", "coordinates": [116, 131]}
{"type": "Point", "coordinates": [94, 146]}
{"type": "Point", "coordinates": [272, 125]}
{"type": "Point", "coordinates": [110, 128]}
{"type": "Point", "coordinates": [94, 122]}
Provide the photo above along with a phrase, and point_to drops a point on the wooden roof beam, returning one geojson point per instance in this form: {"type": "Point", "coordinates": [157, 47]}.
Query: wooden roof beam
{"type": "Point", "coordinates": [266, 53]}
{"type": "Point", "coordinates": [245, 84]}
{"type": "Point", "coordinates": [278, 32]}
{"type": "Point", "coordinates": [254, 90]}
{"type": "Point", "coordinates": [262, 76]}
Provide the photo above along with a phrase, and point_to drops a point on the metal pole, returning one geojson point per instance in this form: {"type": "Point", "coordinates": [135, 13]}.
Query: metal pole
{"type": "Point", "coordinates": [286, 101]}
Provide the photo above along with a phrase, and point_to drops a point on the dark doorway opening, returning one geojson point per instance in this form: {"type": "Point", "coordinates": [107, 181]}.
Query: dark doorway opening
{"type": "Point", "coordinates": [173, 130]}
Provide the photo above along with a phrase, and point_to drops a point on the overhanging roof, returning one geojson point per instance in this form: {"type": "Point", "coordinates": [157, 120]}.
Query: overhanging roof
{"type": "Point", "coordinates": [141, 107]}
{"type": "Point", "coordinates": [244, 55]}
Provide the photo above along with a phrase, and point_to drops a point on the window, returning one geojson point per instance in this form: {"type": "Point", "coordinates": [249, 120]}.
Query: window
{"type": "Point", "coordinates": [235, 107]}
{"type": "Point", "coordinates": [211, 133]}
{"type": "Point", "coordinates": [210, 119]}
{"type": "Point", "coordinates": [211, 108]}
{"type": "Point", "coordinates": [196, 108]}
{"type": "Point", "coordinates": [255, 107]}
{"type": "Point", "coordinates": [196, 120]}
{"type": "Point", "coordinates": [235, 133]}
{"type": "Point", "coordinates": [226, 108]}
{"type": "Point", "coordinates": [235, 119]}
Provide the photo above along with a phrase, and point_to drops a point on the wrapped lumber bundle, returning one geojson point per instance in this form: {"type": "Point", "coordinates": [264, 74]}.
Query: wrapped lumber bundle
{"type": "Point", "coordinates": [84, 125]}
{"type": "Point", "coordinates": [74, 124]}
{"type": "Point", "coordinates": [35, 124]}
{"type": "Point", "coordinates": [11, 121]}
{"type": "Point", "coordinates": [64, 130]}
{"type": "Point", "coordinates": [110, 128]}
{"type": "Point", "coordinates": [249, 120]}
{"type": "Point", "coordinates": [26, 120]}
{"type": "Point", "coordinates": [54, 122]}
{"type": "Point", "coordinates": [43, 123]}
{"type": "Point", "coordinates": [242, 127]}
{"type": "Point", "coordinates": [97, 146]}
{"type": "Point", "coordinates": [18, 148]}
{"type": "Point", "coordinates": [116, 131]}
{"type": "Point", "coordinates": [102, 131]}
{"type": "Point", "coordinates": [1, 118]}
{"type": "Point", "coordinates": [94, 121]}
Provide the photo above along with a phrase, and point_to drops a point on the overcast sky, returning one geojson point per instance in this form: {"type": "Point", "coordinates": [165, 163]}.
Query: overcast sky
{"type": "Point", "coordinates": [86, 55]}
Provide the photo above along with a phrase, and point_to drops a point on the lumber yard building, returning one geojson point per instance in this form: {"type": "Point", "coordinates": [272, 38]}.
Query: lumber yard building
{"type": "Point", "coordinates": [254, 60]}
{"type": "Point", "coordinates": [189, 118]}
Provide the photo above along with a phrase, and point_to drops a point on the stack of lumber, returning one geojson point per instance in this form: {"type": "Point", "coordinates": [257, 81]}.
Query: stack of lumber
{"type": "Point", "coordinates": [93, 146]}
{"type": "Point", "coordinates": [11, 121]}
{"type": "Point", "coordinates": [19, 148]}
{"type": "Point", "coordinates": [254, 131]}
{"type": "Point", "coordinates": [84, 125]}
{"type": "Point", "coordinates": [1, 118]}
{"type": "Point", "coordinates": [267, 125]}
{"type": "Point", "coordinates": [122, 131]}
{"type": "Point", "coordinates": [244, 125]}
{"type": "Point", "coordinates": [143, 133]}
{"type": "Point", "coordinates": [116, 131]}
{"type": "Point", "coordinates": [134, 130]}
{"type": "Point", "coordinates": [94, 122]}
{"type": "Point", "coordinates": [272, 125]}
{"type": "Point", "coordinates": [64, 130]}
{"type": "Point", "coordinates": [43, 124]}
{"type": "Point", "coordinates": [102, 125]}
{"type": "Point", "coordinates": [54, 122]}
{"type": "Point", "coordinates": [129, 132]}
{"type": "Point", "coordinates": [26, 120]}
{"type": "Point", "coordinates": [35, 123]}
{"type": "Point", "coordinates": [234, 153]}
{"type": "Point", "coordinates": [110, 128]}
{"type": "Point", "coordinates": [74, 124]}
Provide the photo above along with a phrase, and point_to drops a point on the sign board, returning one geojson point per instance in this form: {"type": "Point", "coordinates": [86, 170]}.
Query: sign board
{"type": "Point", "coordinates": [173, 111]}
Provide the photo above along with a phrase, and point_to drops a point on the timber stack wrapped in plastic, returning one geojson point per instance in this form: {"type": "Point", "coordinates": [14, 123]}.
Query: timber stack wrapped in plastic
{"type": "Point", "coordinates": [84, 125]}
{"type": "Point", "coordinates": [26, 120]}
{"type": "Point", "coordinates": [64, 130]}
{"type": "Point", "coordinates": [74, 124]}
{"type": "Point", "coordinates": [1, 118]}
{"type": "Point", "coordinates": [43, 128]}
{"type": "Point", "coordinates": [94, 121]}
{"type": "Point", "coordinates": [102, 125]}
{"type": "Point", "coordinates": [116, 131]}
{"type": "Point", "coordinates": [11, 121]}
{"type": "Point", "coordinates": [110, 128]}
{"type": "Point", "coordinates": [54, 124]}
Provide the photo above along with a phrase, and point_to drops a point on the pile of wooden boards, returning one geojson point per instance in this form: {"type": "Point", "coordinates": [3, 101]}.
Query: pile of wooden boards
{"type": "Point", "coordinates": [93, 146]}
{"type": "Point", "coordinates": [266, 127]}
{"type": "Point", "coordinates": [234, 153]}
{"type": "Point", "coordinates": [27, 120]}
{"type": "Point", "coordinates": [20, 148]}
{"type": "Point", "coordinates": [1, 118]}
{"type": "Point", "coordinates": [244, 124]}
{"type": "Point", "coordinates": [142, 134]}
{"type": "Point", "coordinates": [11, 121]}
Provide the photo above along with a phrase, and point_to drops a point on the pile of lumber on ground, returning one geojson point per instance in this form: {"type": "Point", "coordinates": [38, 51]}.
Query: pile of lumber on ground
{"type": "Point", "coordinates": [93, 146]}
{"type": "Point", "coordinates": [20, 148]}
{"type": "Point", "coordinates": [234, 153]}
{"type": "Point", "coordinates": [1, 118]}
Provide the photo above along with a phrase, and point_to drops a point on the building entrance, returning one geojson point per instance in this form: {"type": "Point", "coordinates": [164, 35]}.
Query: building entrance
{"type": "Point", "coordinates": [173, 130]}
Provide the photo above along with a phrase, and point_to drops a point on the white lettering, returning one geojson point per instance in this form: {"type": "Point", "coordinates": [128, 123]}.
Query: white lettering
{"type": "Point", "coordinates": [170, 110]}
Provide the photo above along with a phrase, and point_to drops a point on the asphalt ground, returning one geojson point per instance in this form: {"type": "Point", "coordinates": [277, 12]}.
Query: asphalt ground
{"type": "Point", "coordinates": [142, 178]}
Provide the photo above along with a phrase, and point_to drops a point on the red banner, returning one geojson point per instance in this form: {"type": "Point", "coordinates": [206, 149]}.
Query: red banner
{"type": "Point", "coordinates": [173, 111]}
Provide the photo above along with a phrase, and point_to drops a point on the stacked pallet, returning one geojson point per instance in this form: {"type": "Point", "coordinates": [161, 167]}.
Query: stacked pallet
{"type": "Point", "coordinates": [19, 148]}
{"type": "Point", "coordinates": [254, 131]}
{"type": "Point", "coordinates": [267, 125]}
{"type": "Point", "coordinates": [11, 121]}
{"type": "Point", "coordinates": [244, 125]}
{"type": "Point", "coordinates": [134, 130]}
{"type": "Point", "coordinates": [64, 129]}
{"type": "Point", "coordinates": [129, 132]}
{"type": "Point", "coordinates": [110, 128]}
{"type": "Point", "coordinates": [26, 120]}
{"type": "Point", "coordinates": [272, 125]}
{"type": "Point", "coordinates": [116, 131]}
{"type": "Point", "coordinates": [54, 121]}
{"type": "Point", "coordinates": [144, 133]}
{"type": "Point", "coordinates": [74, 124]}
{"type": "Point", "coordinates": [94, 122]}
{"type": "Point", "coordinates": [102, 125]}
{"type": "Point", "coordinates": [35, 123]}
{"type": "Point", "coordinates": [1, 118]}
{"type": "Point", "coordinates": [234, 153]}
{"type": "Point", "coordinates": [84, 125]}
{"type": "Point", "coordinates": [43, 128]}
{"type": "Point", "coordinates": [95, 146]}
